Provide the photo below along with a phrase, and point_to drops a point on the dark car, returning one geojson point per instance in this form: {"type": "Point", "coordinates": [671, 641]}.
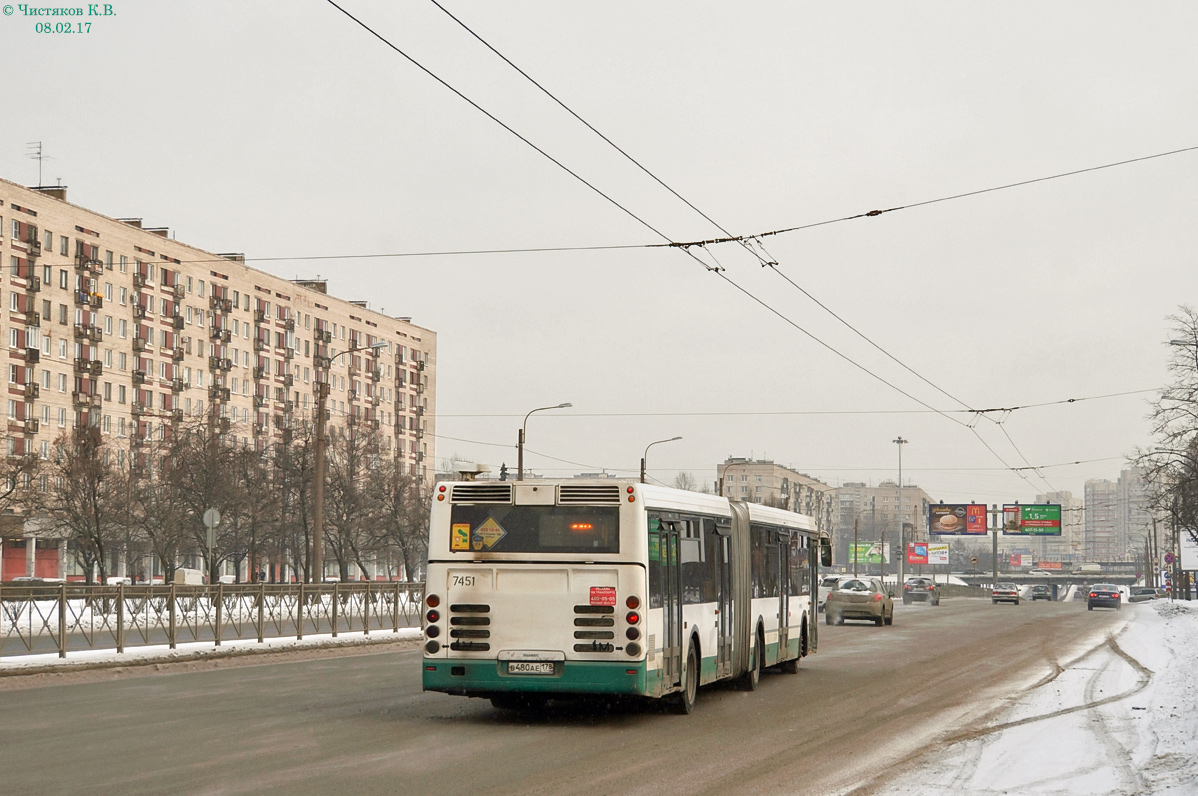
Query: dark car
{"type": "Point", "coordinates": [1004, 593]}
{"type": "Point", "coordinates": [924, 589]}
{"type": "Point", "coordinates": [1041, 592]}
{"type": "Point", "coordinates": [1104, 595]}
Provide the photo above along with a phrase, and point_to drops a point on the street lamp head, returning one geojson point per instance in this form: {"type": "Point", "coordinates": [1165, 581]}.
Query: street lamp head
{"type": "Point", "coordinates": [379, 344]}
{"type": "Point", "coordinates": [1183, 342]}
{"type": "Point", "coordinates": [566, 405]}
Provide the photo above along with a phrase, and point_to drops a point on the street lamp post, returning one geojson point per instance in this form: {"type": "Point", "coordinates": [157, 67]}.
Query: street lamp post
{"type": "Point", "coordinates": [520, 446]}
{"type": "Point", "coordinates": [1176, 529]}
{"type": "Point", "coordinates": [901, 536]}
{"type": "Point", "coordinates": [322, 393]}
{"type": "Point", "coordinates": [646, 454]}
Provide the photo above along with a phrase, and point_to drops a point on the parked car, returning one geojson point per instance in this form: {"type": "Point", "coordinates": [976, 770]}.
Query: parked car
{"type": "Point", "coordinates": [1142, 594]}
{"type": "Point", "coordinates": [1041, 592]}
{"type": "Point", "coordinates": [860, 598]}
{"type": "Point", "coordinates": [1004, 593]}
{"type": "Point", "coordinates": [924, 589]}
{"type": "Point", "coordinates": [1161, 591]}
{"type": "Point", "coordinates": [1104, 595]}
{"type": "Point", "coordinates": [827, 584]}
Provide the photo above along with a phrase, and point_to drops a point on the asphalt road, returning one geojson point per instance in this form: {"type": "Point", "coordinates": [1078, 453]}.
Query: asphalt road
{"type": "Point", "coordinates": [359, 723]}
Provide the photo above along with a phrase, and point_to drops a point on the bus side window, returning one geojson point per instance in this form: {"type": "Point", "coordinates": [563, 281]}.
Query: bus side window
{"type": "Point", "coordinates": [691, 551]}
{"type": "Point", "coordinates": [656, 586]}
{"type": "Point", "coordinates": [711, 572]}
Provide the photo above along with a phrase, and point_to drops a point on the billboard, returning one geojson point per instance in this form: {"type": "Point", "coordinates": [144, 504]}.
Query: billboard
{"type": "Point", "coordinates": [868, 553]}
{"type": "Point", "coordinates": [1031, 520]}
{"type": "Point", "coordinates": [927, 553]}
{"type": "Point", "coordinates": [1189, 551]}
{"type": "Point", "coordinates": [957, 519]}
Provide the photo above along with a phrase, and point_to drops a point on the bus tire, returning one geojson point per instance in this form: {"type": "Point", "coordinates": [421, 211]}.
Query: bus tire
{"type": "Point", "coordinates": [752, 678]}
{"type": "Point", "coordinates": [792, 666]}
{"type": "Point", "coordinates": [683, 702]}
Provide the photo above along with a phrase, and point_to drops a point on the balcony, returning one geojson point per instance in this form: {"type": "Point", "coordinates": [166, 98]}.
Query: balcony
{"type": "Point", "coordinates": [219, 304]}
{"type": "Point", "coordinates": [139, 377]}
{"type": "Point", "coordinates": [82, 365]}
{"type": "Point", "coordinates": [32, 425]}
{"type": "Point", "coordinates": [140, 280]}
{"type": "Point", "coordinates": [214, 333]}
{"type": "Point", "coordinates": [226, 364]}
{"type": "Point", "coordinates": [176, 415]}
{"type": "Point", "coordinates": [140, 408]}
{"type": "Point", "coordinates": [376, 424]}
{"type": "Point", "coordinates": [259, 373]}
{"type": "Point", "coordinates": [288, 407]}
{"type": "Point", "coordinates": [289, 324]}
{"type": "Point", "coordinates": [177, 354]}
{"type": "Point", "coordinates": [33, 245]}
{"type": "Point", "coordinates": [95, 368]}
{"type": "Point", "coordinates": [32, 355]}
{"type": "Point", "coordinates": [140, 344]}
{"type": "Point", "coordinates": [176, 385]}
{"type": "Point", "coordinates": [353, 395]}
{"type": "Point", "coordinates": [33, 319]}
{"type": "Point", "coordinates": [288, 380]}
{"type": "Point", "coordinates": [260, 428]}
{"type": "Point", "coordinates": [177, 321]}
{"type": "Point", "coordinates": [259, 316]}
{"type": "Point", "coordinates": [322, 362]}
{"type": "Point", "coordinates": [84, 399]}
{"type": "Point", "coordinates": [83, 298]}
{"type": "Point", "coordinates": [288, 353]}
{"type": "Point", "coordinates": [324, 335]}
{"type": "Point", "coordinates": [225, 425]}
{"type": "Point", "coordinates": [33, 284]}
{"type": "Point", "coordinates": [32, 391]}
{"type": "Point", "coordinates": [88, 265]}
{"type": "Point", "coordinates": [139, 311]}
{"type": "Point", "coordinates": [376, 399]}
{"type": "Point", "coordinates": [259, 344]}
{"type": "Point", "coordinates": [95, 334]}
{"type": "Point", "coordinates": [259, 401]}
{"type": "Point", "coordinates": [178, 292]}
{"type": "Point", "coordinates": [213, 363]}
{"type": "Point", "coordinates": [375, 375]}
{"type": "Point", "coordinates": [219, 393]}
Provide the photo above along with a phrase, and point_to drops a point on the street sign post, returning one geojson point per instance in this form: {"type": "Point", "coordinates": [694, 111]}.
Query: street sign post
{"type": "Point", "coordinates": [211, 520]}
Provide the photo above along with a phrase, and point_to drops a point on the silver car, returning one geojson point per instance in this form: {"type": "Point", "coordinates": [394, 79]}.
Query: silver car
{"type": "Point", "coordinates": [860, 598]}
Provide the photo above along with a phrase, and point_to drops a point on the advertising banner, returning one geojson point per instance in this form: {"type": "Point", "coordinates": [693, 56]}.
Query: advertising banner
{"type": "Point", "coordinates": [1189, 551]}
{"type": "Point", "coordinates": [1032, 520]}
{"type": "Point", "coordinates": [1016, 559]}
{"type": "Point", "coordinates": [938, 553]}
{"type": "Point", "coordinates": [868, 553]}
{"type": "Point", "coordinates": [957, 519]}
{"type": "Point", "coordinates": [917, 552]}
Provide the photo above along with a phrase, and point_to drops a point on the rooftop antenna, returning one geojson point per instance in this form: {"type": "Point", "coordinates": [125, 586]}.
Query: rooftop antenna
{"type": "Point", "coordinates": [35, 152]}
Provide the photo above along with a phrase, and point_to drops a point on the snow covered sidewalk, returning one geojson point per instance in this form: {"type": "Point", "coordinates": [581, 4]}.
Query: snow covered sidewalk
{"type": "Point", "coordinates": [1121, 719]}
{"type": "Point", "coordinates": [90, 659]}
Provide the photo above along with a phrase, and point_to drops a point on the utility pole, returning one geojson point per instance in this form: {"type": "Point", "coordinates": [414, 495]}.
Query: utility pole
{"type": "Point", "coordinates": [901, 536]}
{"type": "Point", "coordinates": [996, 521]}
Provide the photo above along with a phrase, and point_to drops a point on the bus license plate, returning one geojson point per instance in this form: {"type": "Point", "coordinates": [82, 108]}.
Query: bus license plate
{"type": "Point", "coordinates": [530, 667]}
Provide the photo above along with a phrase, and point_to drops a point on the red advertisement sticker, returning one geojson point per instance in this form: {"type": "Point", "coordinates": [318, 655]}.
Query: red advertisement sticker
{"type": "Point", "coordinates": [603, 595]}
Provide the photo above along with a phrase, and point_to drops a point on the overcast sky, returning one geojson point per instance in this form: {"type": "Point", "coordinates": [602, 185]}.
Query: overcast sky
{"type": "Point", "coordinates": [285, 130]}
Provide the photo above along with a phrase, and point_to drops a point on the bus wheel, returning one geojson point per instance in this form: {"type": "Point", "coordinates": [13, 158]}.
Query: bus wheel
{"type": "Point", "coordinates": [684, 700]}
{"type": "Point", "coordinates": [792, 666]}
{"type": "Point", "coordinates": [752, 678]}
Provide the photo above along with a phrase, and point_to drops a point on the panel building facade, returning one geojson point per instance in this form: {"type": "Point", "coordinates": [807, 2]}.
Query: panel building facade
{"type": "Point", "coordinates": [110, 325]}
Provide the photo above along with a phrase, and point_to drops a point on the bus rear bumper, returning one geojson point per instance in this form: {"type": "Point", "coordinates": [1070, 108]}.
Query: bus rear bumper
{"type": "Point", "coordinates": [487, 677]}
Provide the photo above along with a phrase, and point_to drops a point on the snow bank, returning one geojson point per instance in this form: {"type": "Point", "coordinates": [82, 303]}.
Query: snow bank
{"type": "Point", "coordinates": [1119, 720]}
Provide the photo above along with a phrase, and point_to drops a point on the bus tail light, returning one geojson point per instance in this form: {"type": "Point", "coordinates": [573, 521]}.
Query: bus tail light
{"type": "Point", "coordinates": [633, 649]}
{"type": "Point", "coordinates": [632, 633]}
{"type": "Point", "coordinates": [432, 601]}
{"type": "Point", "coordinates": [433, 617]}
{"type": "Point", "coordinates": [432, 647]}
{"type": "Point", "coordinates": [632, 618]}
{"type": "Point", "coordinates": [633, 602]}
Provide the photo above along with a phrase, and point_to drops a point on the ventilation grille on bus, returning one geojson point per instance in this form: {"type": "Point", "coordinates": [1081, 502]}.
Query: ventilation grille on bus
{"type": "Point", "coordinates": [482, 493]}
{"type": "Point", "coordinates": [471, 626]}
{"type": "Point", "coordinates": [598, 493]}
{"type": "Point", "coordinates": [594, 616]}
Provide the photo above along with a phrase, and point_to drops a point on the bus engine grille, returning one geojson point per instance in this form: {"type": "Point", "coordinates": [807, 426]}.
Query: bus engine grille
{"type": "Point", "coordinates": [483, 493]}
{"type": "Point", "coordinates": [608, 494]}
{"type": "Point", "coordinates": [471, 626]}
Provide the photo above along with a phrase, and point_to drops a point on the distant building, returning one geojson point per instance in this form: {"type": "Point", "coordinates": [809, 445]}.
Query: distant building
{"type": "Point", "coordinates": [764, 481]}
{"type": "Point", "coordinates": [1101, 536]}
{"type": "Point", "coordinates": [1133, 519]}
{"type": "Point", "coordinates": [875, 512]}
{"type": "Point", "coordinates": [1069, 545]}
{"type": "Point", "coordinates": [114, 326]}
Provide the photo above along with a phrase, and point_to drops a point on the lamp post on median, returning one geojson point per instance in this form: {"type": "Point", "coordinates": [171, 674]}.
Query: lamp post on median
{"type": "Point", "coordinates": [901, 536]}
{"type": "Point", "coordinates": [322, 393]}
{"type": "Point", "coordinates": [520, 446]}
{"type": "Point", "coordinates": [646, 454]}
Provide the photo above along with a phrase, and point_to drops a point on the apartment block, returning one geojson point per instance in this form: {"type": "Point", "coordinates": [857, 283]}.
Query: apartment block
{"type": "Point", "coordinates": [113, 325]}
{"type": "Point", "coordinates": [1101, 539]}
{"type": "Point", "coordinates": [764, 481]}
{"type": "Point", "coordinates": [882, 512]}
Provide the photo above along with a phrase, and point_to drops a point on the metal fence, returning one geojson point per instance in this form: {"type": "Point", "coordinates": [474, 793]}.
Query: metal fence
{"type": "Point", "coordinates": [67, 617]}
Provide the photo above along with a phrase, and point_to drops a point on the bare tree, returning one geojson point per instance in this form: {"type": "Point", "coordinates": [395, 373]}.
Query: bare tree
{"type": "Point", "coordinates": [1171, 466]}
{"type": "Point", "coordinates": [201, 472]}
{"type": "Point", "coordinates": [403, 508]}
{"type": "Point", "coordinates": [77, 493]}
{"type": "Point", "coordinates": [352, 452]}
{"type": "Point", "coordinates": [687, 481]}
{"type": "Point", "coordinates": [295, 474]}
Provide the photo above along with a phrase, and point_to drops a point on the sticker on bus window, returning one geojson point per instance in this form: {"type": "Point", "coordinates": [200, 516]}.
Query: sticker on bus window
{"type": "Point", "coordinates": [488, 534]}
{"type": "Point", "coordinates": [459, 536]}
{"type": "Point", "coordinates": [603, 595]}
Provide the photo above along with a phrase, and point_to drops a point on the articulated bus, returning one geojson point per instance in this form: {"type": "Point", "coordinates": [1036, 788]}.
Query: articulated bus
{"type": "Point", "coordinates": [538, 590]}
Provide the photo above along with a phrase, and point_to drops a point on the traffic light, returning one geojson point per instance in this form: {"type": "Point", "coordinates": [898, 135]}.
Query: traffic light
{"type": "Point", "coordinates": [503, 472]}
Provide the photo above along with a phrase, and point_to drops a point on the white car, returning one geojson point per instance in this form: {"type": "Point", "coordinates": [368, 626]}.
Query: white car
{"type": "Point", "coordinates": [826, 584]}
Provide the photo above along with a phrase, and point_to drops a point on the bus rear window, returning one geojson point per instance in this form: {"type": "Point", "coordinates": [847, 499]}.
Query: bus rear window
{"type": "Point", "coordinates": [535, 529]}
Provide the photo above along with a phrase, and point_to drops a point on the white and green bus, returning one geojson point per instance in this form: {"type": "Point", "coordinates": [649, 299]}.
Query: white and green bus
{"type": "Point", "coordinates": [552, 589]}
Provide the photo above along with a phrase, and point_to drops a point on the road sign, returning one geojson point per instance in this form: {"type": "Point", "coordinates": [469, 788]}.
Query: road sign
{"type": "Point", "coordinates": [1168, 558]}
{"type": "Point", "coordinates": [211, 518]}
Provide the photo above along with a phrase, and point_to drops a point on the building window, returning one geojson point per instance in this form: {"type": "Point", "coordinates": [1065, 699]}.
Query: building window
{"type": "Point", "coordinates": [201, 293]}
{"type": "Point", "coordinates": [62, 417]}
{"type": "Point", "coordinates": [124, 296]}
{"type": "Point", "coordinates": [124, 264]}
